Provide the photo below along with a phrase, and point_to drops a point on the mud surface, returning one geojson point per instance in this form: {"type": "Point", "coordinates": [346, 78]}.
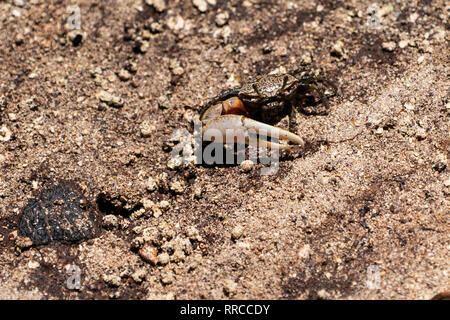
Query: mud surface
{"type": "Point", "coordinates": [88, 191]}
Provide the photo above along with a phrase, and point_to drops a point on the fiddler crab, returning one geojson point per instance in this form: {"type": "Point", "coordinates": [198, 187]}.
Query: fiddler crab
{"type": "Point", "coordinates": [263, 102]}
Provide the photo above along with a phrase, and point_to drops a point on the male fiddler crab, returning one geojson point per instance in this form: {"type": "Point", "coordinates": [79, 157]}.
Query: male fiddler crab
{"type": "Point", "coordinates": [263, 102]}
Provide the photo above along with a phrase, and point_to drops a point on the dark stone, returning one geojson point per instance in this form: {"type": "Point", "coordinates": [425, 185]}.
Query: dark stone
{"type": "Point", "coordinates": [60, 214]}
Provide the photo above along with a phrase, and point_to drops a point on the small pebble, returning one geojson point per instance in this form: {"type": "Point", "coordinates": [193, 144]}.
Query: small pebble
{"type": "Point", "coordinates": [175, 67]}
{"type": "Point", "coordinates": [110, 222]}
{"type": "Point", "coordinates": [374, 120]}
{"type": "Point", "coordinates": [403, 44]}
{"type": "Point", "coordinates": [177, 187]}
{"type": "Point", "coordinates": [413, 17]}
{"type": "Point", "coordinates": [163, 259]}
{"type": "Point", "coordinates": [338, 49]}
{"type": "Point", "coordinates": [230, 287]}
{"type": "Point", "coordinates": [389, 46]}
{"type": "Point", "coordinates": [146, 129]}
{"type": "Point", "coordinates": [166, 231]}
{"type": "Point", "coordinates": [139, 275]}
{"type": "Point", "coordinates": [226, 32]}
{"type": "Point", "coordinates": [124, 75]}
{"type": "Point", "coordinates": [19, 39]}
{"type": "Point", "coordinates": [237, 232]}
{"type": "Point", "coordinates": [164, 205]}
{"type": "Point", "coordinates": [379, 131]}
{"type": "Point", "coordinates": [12, 116]}
{"type": "Point", "coordinates": [12, 235]}
{"type": "Point", "coordinates": [175, 163]}
{"type": "Point", "coordinates": [198, 191]}
{"type": "Point", "coordinates": [178, 256]}
{"type": "Point", "coordinates": [184, 244]}
{"type": "Point", "coordinates": [323, 294]}
{"type": "Point", "coordinates": [149, 254]}
{"type": "Point", "coordinates": [132, 67]}
{"type": "Point", "coordinates": [222, 19]}
{"type": "Point", "coordinates": [175, 23]}
{"type": "Point", "coordinates": [137, 242]}
{"type": "Point", "coordinates": [110, 99]}
{"type": "Point", "coordinates": [421, 133]}
{"type": "Point", "coordinates": [246, 166]}
{"type": "Point", "coordinates": [447, 182]}
{"type": "Point", "coordinates": [136, 215]}
{"type": "Point", "coordinates": [167, 278]}
{"type": "Point", "coordinates": [440, 162]}
{"type": "Point", "coordinates": [115, 295]}
{"type": "Point", "coordinates": [23, 243]}
{"type": "Point", "coordinates": [157, 212]}
{"type": "Point", "coordinates": [163, 102]}
{"type": "Point", "coordinates": [305, 251]}
{"type": "Point", "coordinates": [19, 3]}
{"type": "Point", "coordinates": [420, 59]}
{"type": "Point", "coordinates": [151, 235]}
{"type": "Point", "coordinates": [112, 280]}
{"type": "Point", "coordinates": [306, 58]}
{"type": "Point", "coordinates": [201, 5]}
{"type": "Point", "coordinates": [409, 106]}
{"type": "Point", "coordinates": [142, 46]}
{"type": "Point", "coordinates": [192, 233]}
{"type": "Point", "coordinates": [385, 10]}
{"type": "Point", "coordinates": [33, 264]}
{"type": "Point", "coordinates": [125, 273]}
{"type": "Point", "coordinates": [163, 180]}
{"type": "Point", "coordinates": [2, 102]}
{"type": "Point", "coordinates": [16, 13]}
{"type": "Point", "coordinates": [168, 247]}
{"type": "Point", "coordinates": [159, 5]}
{"type": "Point", "coordinates": [146, 34]}
{"type": "Point", "coordinates": [147, 203]}
{"type": "Point", "coordinates": [5, 134]}
{"type": "Point", "coordinates": [156, 27]}
{"type": "Point", "coordinates": [151, 184]}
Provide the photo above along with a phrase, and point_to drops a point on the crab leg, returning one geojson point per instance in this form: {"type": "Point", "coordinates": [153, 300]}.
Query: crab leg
{"type": "Point", "coordinates": [241, 127]}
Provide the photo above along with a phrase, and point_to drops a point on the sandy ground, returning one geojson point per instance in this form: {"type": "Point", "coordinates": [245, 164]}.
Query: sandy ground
{"type": "Point", "coordinates": [92, 208]}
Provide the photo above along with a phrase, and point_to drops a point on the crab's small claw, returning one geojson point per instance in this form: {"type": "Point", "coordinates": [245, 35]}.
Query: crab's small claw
{"type": "Point", "coordinates": [230, 106]}
{"type": "Point", "coordinates": [241, 128]}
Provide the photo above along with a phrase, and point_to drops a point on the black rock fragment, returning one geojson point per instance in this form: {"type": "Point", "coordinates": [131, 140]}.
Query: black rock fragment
{"type": "Point", "coordinates": [59, 214]}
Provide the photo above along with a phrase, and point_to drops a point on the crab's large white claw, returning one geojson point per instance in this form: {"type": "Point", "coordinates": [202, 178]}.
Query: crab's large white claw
{"type": "Point", "coordinates": [242, 129]}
